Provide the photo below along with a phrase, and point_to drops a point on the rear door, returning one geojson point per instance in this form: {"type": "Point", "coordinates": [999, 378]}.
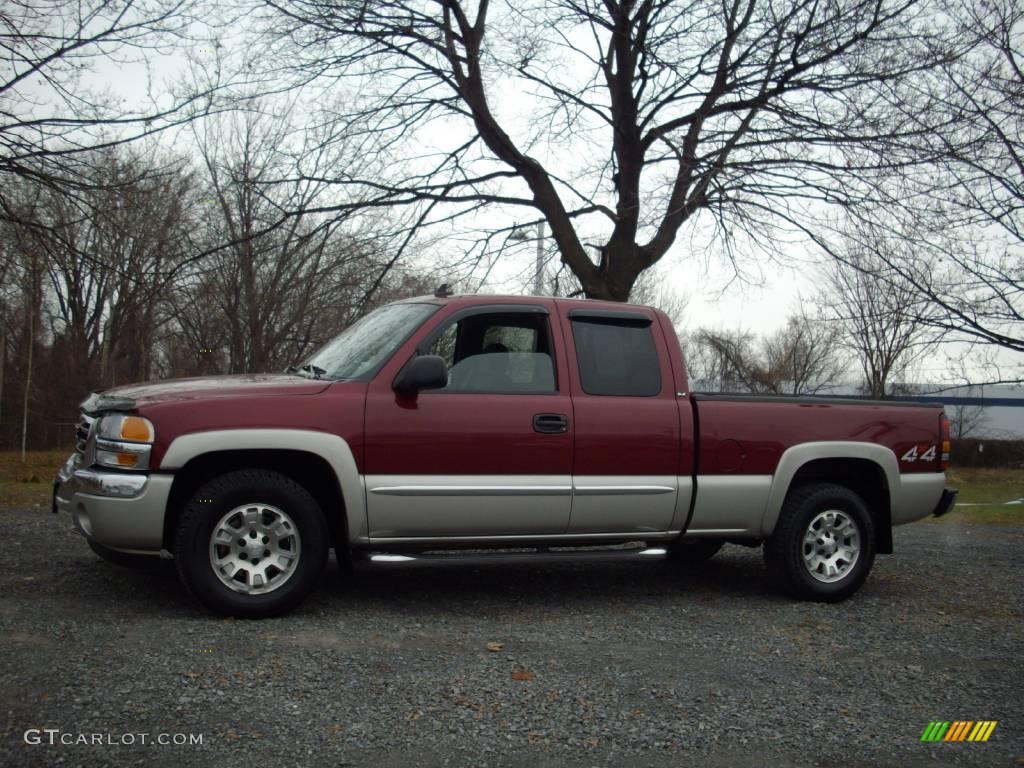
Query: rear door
{"type": "Point", "coordinates": [490, 455]}
{"type": "Point", "coordinates": [627, 428]}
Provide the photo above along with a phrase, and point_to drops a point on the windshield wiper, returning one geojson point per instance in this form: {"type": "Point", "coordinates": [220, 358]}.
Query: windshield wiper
{"type": "Point", "coordinates": [309, 371]}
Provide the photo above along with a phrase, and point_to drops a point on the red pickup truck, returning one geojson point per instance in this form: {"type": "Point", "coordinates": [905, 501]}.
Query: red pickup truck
{"type": "Point", "coordinates": [556, 428]}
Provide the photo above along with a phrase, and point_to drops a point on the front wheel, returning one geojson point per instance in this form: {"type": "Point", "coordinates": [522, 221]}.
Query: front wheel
{"type": "Point", "coordinates": [252, 543]}
{"type": "Point", "coordinates": [824, 543]}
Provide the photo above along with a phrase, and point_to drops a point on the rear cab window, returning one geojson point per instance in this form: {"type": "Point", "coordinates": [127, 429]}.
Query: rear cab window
{"type": "Point", "coordinates": [615, 353]}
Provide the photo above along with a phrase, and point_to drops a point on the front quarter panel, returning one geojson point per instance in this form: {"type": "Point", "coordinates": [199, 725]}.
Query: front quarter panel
{"type": "Point", "coordinates": [332, 448]}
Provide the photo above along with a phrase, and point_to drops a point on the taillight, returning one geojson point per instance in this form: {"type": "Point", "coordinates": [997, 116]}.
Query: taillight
{"type": "Point", "coordinates": [944, 437]}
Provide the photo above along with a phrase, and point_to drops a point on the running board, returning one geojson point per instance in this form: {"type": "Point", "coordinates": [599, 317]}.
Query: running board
{"type": "Point", "coordinates": [498, 557]}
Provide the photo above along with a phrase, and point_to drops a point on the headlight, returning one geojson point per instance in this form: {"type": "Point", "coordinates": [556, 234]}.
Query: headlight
{"type": "Point", "coordinates": [121, 427]}
{"type": "Point", "coordinates": [124, 441]}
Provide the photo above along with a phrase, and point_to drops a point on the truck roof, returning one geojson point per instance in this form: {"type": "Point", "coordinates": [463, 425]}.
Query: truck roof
{"type": "Point", "coordinates": [477, 298]}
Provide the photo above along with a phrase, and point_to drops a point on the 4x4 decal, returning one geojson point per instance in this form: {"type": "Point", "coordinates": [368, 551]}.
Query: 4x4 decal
{"type": "Point", "coordinates": [912, 454]}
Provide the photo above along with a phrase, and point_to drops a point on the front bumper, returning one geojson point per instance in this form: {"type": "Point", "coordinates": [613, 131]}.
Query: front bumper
{"type": "Point", "coordinates": [120, 510]}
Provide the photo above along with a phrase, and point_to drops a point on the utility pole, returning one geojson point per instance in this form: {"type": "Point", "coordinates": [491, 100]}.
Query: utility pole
{"type": "Point", "coordinates": [518, 234]}
{"type": "Point", "coordinates": [538, 279]}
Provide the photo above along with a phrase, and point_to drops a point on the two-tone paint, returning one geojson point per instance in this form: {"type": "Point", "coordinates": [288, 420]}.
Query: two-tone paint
{"type": "Point", "coordinates": [464, 468]}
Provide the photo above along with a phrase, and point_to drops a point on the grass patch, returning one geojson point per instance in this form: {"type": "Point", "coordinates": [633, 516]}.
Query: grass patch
{"type": "Point", "coordinates": [28, 484]}
{"type": "Point", "coordinates": [991, 488]}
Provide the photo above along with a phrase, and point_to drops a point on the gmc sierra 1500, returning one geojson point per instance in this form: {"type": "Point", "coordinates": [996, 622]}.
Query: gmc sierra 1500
{"type": "Point", "coordinates": [440, 424]}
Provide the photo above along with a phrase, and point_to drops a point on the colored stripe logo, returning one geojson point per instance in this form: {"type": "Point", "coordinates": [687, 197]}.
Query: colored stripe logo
{"type": "Point", "coordinates": [959, 730]}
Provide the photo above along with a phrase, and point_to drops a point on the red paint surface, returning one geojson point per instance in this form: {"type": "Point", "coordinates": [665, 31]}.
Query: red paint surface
{"type": "Point", "coordinates": [338, 409]}
{"type": "Point", "coordinates": [493, 434]}
{"type": "Point", "coordinates": [763, 431]}
{"type": "Point", "coordinates": [465, 434]}
{"type": "Point", "coordinates": [628, 435]}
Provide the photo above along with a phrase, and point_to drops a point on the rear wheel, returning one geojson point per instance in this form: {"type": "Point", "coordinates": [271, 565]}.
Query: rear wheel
{"type": "Point", "coordinates": [824, 543]}
{"type": "Point", "coordinates": [694, 551]}
{"type": "Point", "coordinates": [251, 543]}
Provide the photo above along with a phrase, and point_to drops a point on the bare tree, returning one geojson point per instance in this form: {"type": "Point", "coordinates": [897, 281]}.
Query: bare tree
{"type": "Point", "coordinates": [8, 264]}
{"type": "Point", "coordinates": [738, 113]}
{"type": "Point", "coordinates": [54, 54]}
{"type": "Point", "coordinates": [27, 275]}
{"type": "Point", "coordinates": [955, 233]}
{"type": "Point", "coordinates": [277, 285]}
{"type": "Point", "coordinates": [964, 419]}
{"type": "Point", "coordinates": [653, 290]}
{"type": "Point", "coordinates": [878, 312]}
{"type": "Point", "coordinates": [977, 259]}
{"type": "Point", "coordinates": [987, 91]}
{"type": "Point", "coordinates": [33, 301]}
{"type": "Point", "coordinates": [109, 253]}
{"type": "Point", "coordinates": [803, 358]}
{"type": "Point", "coordinates": [799, 359]}
{"type": "Point", "coordinates": [723, 361]}
{"type": "Point", "coordinates": [956, 277]}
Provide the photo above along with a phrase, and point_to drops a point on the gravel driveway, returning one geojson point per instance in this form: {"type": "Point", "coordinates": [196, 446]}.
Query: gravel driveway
{"type": "Point", "coordinates": [601, 664]}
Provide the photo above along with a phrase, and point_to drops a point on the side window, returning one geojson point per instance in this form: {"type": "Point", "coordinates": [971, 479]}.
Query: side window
{"type": "Point", "coordinates": [616, 357]}
{"type": "Point", "coordinates": [513, 339]}
{"type": "Point", "coordinates": [499, 353]}
{"type": "Point", "coordinates": [444, 345]}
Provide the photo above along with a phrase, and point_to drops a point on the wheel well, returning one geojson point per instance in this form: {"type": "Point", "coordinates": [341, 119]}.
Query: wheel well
{"type": "Point", "coordinates": [308, 469]}
{"type": "Point", "coordinates": [865, 478]}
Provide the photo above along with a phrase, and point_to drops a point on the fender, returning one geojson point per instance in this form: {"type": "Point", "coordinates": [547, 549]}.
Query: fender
{"type": "Point", "coordinates": [797, 456]}
{"type": "Point", "coordinates": [331, 448]}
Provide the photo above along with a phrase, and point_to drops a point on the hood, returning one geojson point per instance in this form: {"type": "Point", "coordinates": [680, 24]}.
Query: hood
{"type": "Point", "coordinates": [134, 396]}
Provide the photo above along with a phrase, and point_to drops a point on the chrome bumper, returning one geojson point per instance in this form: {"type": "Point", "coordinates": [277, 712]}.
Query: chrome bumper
{"type": "Point", "coordinates": [118, 510]}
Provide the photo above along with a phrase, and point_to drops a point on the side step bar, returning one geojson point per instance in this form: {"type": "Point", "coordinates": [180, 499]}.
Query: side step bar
{"type": "Point", "coordinates": [499, 557]}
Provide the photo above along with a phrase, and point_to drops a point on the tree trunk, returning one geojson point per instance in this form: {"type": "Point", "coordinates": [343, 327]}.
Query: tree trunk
{"type": "Point", "coordinates": [28, 369]}
{"type": "Point", "coordinates": [104, 355]}
{"type": "Point", "coordinates": [3, 358]}
{"type": "Point", "coordinates": [616, 274]}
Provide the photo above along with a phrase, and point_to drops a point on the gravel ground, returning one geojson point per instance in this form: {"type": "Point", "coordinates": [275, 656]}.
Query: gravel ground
{"type": "Point", "coordinates": [601, 664]}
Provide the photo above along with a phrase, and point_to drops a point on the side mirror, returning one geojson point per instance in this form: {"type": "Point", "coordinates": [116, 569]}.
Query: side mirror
{"type": "Point", "coordinates": [423, 372]}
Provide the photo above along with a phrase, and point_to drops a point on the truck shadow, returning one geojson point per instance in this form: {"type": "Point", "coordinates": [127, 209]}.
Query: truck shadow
{"type": "Point", "coordinates": [734, 575]}
{"type": "Point", "coordinates": [731, 575]}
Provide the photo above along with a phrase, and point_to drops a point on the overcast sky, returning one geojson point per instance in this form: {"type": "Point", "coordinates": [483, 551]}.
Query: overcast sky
{"type": "Point", "coordinates": [694, 268]}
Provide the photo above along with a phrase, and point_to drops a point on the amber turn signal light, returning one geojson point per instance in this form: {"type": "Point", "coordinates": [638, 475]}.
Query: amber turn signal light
{"type": "Point", "coordinates": [136, 428]}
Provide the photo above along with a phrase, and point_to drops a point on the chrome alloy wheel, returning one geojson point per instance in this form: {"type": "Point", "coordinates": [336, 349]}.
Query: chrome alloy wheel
{"type": "Point", "coordinates": [831, 545]}
{"type": "Point", "coordinates": [255, 548]}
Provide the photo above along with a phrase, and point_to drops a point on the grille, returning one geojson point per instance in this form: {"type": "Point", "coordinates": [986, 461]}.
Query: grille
{"type": "Point", "coordinates": [82, 433]}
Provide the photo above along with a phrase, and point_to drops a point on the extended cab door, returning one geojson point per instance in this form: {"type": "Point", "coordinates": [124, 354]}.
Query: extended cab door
{"type": "Point", "coordinates": [490, 454]}
{"type": "Point", "coordinates": [632, 448]}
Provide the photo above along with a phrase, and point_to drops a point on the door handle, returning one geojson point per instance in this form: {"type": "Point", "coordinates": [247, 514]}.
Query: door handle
{"type": "Point", "coordinates": [550, 423]}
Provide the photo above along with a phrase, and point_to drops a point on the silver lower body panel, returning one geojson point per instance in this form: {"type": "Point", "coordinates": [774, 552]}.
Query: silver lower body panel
{"type": "Point", "coordinates": [918, 497]}
{"type": "Point", "coordinates": [120, 511]}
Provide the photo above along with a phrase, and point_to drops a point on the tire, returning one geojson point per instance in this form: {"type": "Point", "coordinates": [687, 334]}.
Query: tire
{"type": "Point", "coordinates": [694, 551]}
{"type": "Point", "coordinates": [125, 559]}
{"type": "Point", "coordinates": [266, 533]}
{"type": "Point", "coordinates": [823, 546]}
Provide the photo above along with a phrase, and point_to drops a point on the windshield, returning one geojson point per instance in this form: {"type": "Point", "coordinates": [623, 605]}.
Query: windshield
{"type": "Point", "coordinates": [363, 347]}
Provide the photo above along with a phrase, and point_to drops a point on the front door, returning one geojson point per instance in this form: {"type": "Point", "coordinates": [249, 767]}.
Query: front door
{"type": "Point", "coordinates": [490, 454]}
